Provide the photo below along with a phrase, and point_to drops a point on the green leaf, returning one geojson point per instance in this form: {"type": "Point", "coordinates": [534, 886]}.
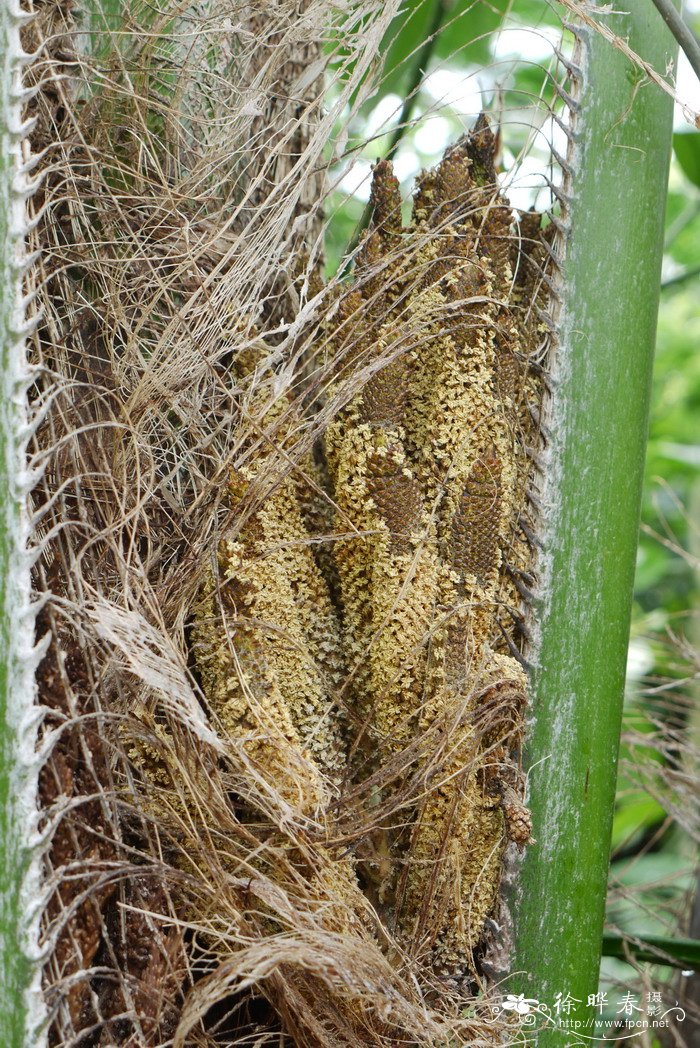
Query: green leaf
{"type": "Point", "coordinates": [682, 953]}
{"type": "Point", "coordinates": [634, 815]}
{"type": "Point", "coordinates": [686, 145]}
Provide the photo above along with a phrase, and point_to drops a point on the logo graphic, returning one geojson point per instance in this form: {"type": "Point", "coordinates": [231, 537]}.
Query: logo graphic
{"type": "Point", "coordinates": [628, 1016]}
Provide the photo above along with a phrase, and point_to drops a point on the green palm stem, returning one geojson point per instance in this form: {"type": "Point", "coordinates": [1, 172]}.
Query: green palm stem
{"type": "Point", "coordinates": [612, 240]}
{"type": "Point", "coordinates": [20, 1011]}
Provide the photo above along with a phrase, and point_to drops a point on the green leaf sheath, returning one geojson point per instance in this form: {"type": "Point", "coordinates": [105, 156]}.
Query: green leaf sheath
{"type": "Point", "coordinates": [598, 417]}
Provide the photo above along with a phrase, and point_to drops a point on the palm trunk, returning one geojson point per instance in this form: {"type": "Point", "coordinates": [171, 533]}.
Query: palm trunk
{"type": "Point", "coordinates": [612, 245]}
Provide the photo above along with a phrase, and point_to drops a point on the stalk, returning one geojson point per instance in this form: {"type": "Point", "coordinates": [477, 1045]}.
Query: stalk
{"type": "Point", "coordinates": [656, 949]}
{"type": "Point", "coordinates": [20, 1010]}
{"type": "Point", "coordinates": [598, 416]}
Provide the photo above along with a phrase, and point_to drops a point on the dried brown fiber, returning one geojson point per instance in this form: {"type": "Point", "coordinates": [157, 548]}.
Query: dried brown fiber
{"type": "Point", "coordinates": [285, 561]}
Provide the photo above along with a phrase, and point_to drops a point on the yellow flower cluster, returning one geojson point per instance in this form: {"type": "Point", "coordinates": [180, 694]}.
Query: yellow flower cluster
{"type": "Point", "coordinates": [268, 645]}
{"type": "Point", "coordinates": [410, 648]}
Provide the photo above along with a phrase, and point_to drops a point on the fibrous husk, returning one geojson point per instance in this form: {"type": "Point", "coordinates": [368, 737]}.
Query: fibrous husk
{"type": "Point", "coordinates": [284, 530]}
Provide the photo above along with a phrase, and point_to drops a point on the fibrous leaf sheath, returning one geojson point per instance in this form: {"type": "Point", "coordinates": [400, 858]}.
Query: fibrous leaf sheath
{"type": "Point", "coordinates": [285, 529]}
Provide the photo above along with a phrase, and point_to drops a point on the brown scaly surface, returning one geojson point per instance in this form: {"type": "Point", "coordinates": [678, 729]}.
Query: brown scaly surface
{"type": "Point", "coordinates": [410, 639]}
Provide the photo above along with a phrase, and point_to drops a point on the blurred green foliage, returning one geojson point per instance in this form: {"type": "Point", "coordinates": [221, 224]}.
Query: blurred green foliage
{"type": "Point", "coordinates": [465, 31]}
{"type": "Point", "coordinates": [686, 146]}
